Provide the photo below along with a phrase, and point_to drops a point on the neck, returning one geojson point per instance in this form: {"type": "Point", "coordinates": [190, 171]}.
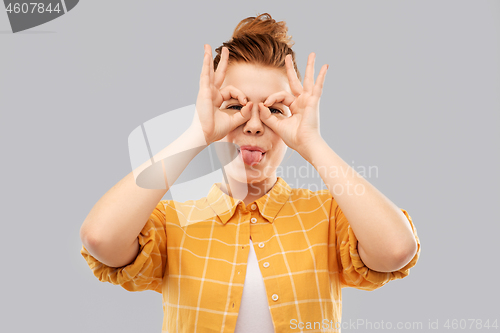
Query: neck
{"type": "Point", "coordinates": [247, 192]}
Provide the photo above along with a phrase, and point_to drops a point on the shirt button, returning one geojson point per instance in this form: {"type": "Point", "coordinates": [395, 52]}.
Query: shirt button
{"type": "Point", "coordinates": [253, 220]}
{"type": "Point", "coordinates": [266, 264]}
{"type": "Point", "coordinates": [274, 297]}
{"type": "Point", "coordinates": [253, 206]}
{"type": "Point", "coordinates": [261, 245]}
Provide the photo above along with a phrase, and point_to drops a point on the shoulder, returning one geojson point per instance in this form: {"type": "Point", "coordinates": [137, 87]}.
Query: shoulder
{"type": "Point", "coordinates": [176, 205]}
{"type": "Point", "coordinates": [308, 194]}
{"type": "Point", "coordinates": [187, 212]}
{"type": "Point", "coordinates": [310, 198]}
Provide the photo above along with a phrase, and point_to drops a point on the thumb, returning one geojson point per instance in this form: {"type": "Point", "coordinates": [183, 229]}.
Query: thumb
{"type": "Point", "coordinates": [243, 116]}
{"type": "Point", "coordinates": [267, 118]}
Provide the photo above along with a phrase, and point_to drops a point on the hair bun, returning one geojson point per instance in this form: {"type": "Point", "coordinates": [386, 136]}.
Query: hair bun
{"type": "Point", "coordinates": [263, 24]}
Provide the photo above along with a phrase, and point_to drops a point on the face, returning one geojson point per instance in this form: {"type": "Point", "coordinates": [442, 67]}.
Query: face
{"type": "Point", "coordinates": [257, 83]}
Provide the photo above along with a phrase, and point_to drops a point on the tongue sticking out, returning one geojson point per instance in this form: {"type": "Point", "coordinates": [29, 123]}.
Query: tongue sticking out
{"type": "Point", "coordinates": [251, 157]}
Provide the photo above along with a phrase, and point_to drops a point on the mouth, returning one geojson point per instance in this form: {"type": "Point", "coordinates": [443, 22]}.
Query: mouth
{"type": "Point", "coordinates": [251, 155]}
{"type": "Point", "coordinates": [250, 150]}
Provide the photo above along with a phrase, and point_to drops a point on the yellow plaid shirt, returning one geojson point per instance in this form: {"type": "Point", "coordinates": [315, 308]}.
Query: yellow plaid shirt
{"type": "Point", "coordinates": [195, 253]}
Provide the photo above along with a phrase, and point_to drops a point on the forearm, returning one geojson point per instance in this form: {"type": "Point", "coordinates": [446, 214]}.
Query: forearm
{"type": "Point", "coordinates": [385, 239]}
{"type": "Point", "coordinates": [117, 218]}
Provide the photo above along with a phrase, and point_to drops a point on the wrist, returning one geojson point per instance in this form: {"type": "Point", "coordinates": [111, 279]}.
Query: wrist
{"type": "Point", "coordinates": [196, 137]}
{"type": "Point", "coordinates": [316, 147]}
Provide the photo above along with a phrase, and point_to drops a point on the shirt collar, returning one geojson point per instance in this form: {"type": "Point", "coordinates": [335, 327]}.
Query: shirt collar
{"type": "Point", "coordinates": [269, 204]}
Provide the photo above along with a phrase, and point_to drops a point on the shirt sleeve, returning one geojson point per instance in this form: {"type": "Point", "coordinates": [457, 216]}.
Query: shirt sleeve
{"type": "Point", "coordinates": [147, 270]}
{"type": "Point", "coordinates": [352, 271]}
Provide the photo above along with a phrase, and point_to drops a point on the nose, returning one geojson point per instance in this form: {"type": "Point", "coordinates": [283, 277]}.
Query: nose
{"type": "Point", "coordinates": [254, 125]}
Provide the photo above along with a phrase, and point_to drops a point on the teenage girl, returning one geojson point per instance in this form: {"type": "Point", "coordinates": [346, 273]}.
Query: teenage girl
{"type": "Point", "coordinates": [254, 255]}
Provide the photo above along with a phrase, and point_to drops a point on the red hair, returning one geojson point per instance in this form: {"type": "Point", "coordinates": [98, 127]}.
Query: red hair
{"type": "Point", "coordinates": [259, 40]}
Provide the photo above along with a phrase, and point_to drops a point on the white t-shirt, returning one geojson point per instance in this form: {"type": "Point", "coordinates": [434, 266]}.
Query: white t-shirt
{"type": "Point", "coordinates": [254, 314]}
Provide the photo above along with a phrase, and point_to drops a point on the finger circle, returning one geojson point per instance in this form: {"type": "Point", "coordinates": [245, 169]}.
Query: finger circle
{"type": "Point", "coordinates": [283, 97]}
{"type": "Point", "coordinates": [229, 92]}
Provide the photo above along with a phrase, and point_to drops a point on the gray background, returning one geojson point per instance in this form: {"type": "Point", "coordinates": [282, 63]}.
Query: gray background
{"type": "Point", "coordinates": [413, 89]}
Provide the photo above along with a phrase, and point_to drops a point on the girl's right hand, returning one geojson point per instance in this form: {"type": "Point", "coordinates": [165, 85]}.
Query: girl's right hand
{"type": "Point", "coordinates": [214, 122]}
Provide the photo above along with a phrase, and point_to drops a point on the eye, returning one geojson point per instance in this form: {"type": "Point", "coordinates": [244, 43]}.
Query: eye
{"type": "Point", "coordinates": [273, 110]}
{"type": "Point", "coordinates": [277, 110]}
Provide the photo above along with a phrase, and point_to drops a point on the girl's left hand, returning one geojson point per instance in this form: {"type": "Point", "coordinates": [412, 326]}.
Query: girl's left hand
{"type": "Point", "coordinates": [301, 130]}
